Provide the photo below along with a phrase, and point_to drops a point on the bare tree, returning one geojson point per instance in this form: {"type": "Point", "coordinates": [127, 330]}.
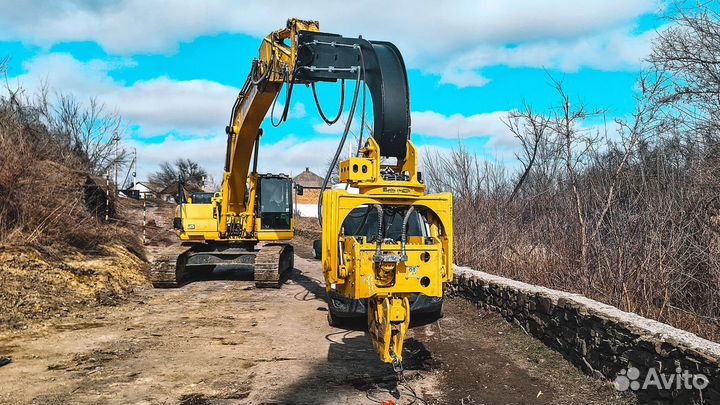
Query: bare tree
{"type": "Point", "coordinates": [186, 170]}
{"type": "Point", "coordinates": [629, 216]}
{"type": "Point", "coordinates": [688, 51]}
{"type": "Point", "coordinates": [3, 64]}
{"type": "Point", "coordinates": [61, 127]}
{"type": "Point", "coordinates": [48, 147]}
{"type": "Point", "coordinates": [530, 130]}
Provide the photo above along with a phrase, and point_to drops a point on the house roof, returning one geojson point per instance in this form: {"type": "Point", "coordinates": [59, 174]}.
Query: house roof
{"type": "Point", "coordinates": [155, 187]}
{"type": "Point", "coordinates": [308, 179]}
{"type": "Point", "coordinates": [172, 188]}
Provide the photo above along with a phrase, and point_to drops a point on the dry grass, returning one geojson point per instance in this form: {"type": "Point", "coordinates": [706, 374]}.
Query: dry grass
{"type": "Point", "coordinates": [44, 282]}
{"type": "Point", "coordinates": [57, 253]}
{"type": "Point", "coordinates": [42, 177]}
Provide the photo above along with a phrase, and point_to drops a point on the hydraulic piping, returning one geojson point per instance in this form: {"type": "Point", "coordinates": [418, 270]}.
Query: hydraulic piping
{"type": "Point", "coordinates": [403, 235]}
{"type": "Point", "coordinates": [319, 108]}
{"type": "Point", "coordinates": [379, 237]}
{"type": "Point", "coordinates": [348, 123]}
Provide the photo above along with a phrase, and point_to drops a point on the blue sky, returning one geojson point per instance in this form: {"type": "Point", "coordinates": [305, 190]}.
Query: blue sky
{"type": "Point", "coordinates": [173, 69]}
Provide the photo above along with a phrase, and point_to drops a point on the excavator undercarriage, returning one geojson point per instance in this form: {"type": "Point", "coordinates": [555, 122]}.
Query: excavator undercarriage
{"type": "Point", "coordinates": [269, 263]}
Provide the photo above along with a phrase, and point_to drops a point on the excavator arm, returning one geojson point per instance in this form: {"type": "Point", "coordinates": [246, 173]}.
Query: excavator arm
{"type": "Point", "coordinates": [273, 69]}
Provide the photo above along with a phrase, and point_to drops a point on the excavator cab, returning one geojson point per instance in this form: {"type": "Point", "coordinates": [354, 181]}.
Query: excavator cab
{"type": "Point", "coordinates": [275, 207]}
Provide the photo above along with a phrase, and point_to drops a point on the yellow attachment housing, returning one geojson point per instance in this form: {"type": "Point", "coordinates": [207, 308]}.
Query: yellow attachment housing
{"type": "Point", "coordinates": [386, 271]}
{"type": "Point", "coordinates": [356, 170]}
{"type": "Point", "coordinates": [348, 261]}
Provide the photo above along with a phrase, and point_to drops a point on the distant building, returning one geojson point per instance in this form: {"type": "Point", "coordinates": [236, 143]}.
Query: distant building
{"type": "Point", "coordinates": [311, 183]}
{"type": "Point", "coordinates": [170, 192]}
{"type": "Point", "coordinates": [147, 189]}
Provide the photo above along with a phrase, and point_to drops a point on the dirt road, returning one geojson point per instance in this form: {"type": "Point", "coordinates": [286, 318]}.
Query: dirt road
{"type": "Point", "coordinates": [224, 341]}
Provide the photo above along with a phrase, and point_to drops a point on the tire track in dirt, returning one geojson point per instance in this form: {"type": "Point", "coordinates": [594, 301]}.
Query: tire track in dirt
{"type": "Point", "coordinates": [224, 341]}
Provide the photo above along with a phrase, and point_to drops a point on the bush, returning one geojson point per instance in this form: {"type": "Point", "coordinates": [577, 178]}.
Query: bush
{"type": "Point", "coordinates": [48, 151]}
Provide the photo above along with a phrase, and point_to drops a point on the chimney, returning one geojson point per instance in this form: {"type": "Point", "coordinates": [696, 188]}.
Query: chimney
{"type": "Point", "coordinates": [307, 169]}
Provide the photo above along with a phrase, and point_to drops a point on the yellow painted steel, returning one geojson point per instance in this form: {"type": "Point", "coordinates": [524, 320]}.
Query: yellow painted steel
{"type": "Point", "coordinates": [349, 265]}
{"type": "Point", "coordinates": [276, 61]}
{"type": "Point", "coordinates": [211, 222]}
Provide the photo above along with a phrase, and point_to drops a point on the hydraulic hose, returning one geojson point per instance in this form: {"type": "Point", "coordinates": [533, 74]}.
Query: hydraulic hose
{"type": "Point", "coordinates": [362, 125]}
{"type": "Point", "coordinates": [265, 74]}
{"type": "Point", "coordinates": [286, 108]}
{"type": "Point", "coordinates": [403, 235]}
{"type": "Point", "coordinates": [362, 114]}
{"type": "Point", "coordinates": [379, 238]}
{"type": "Point", "coordinates": [251, 80]}
{"type": "Point", "coordinates": [319, 107]}
{"type": "Point", "coordinates": [340, 146]}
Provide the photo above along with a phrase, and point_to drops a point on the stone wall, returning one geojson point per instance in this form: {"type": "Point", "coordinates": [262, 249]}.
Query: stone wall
{"type": "Point", "coordinates": [602, 340]}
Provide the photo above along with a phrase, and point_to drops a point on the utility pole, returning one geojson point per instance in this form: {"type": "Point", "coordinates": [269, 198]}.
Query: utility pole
{"type": "Point", "coordinates": [134, 166]}
{"type": "Point", "coordinates": [107, 196]}
{"type": "Point", "coordinates": [116, 139]}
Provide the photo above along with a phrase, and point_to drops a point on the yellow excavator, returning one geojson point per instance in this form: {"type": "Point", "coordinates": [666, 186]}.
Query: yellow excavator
{"type": "Point", "coordinates": [386, 245]}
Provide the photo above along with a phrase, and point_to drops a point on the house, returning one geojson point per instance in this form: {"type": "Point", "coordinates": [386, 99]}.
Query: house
{"type": "Point", "coordinates": [147, 189]}
{"type": "Point", "coordinates": [170, 192]}
{"type": "Point", "coordinates": [306, 204]}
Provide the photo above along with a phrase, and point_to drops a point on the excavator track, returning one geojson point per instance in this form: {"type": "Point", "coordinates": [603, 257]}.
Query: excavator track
{"type": "Point", "coordinates": [163, 275]}
{"type": "Point", "coordinates": [271, 263]}
{"type": "Point", "coordinates": [167, 271]}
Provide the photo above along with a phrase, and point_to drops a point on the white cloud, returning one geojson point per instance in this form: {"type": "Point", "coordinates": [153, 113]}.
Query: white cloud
{"type": "Point", "coordinates": [473, 33]}
{"type": "Point", "coordinates": [338, 127]}
{"type": "Point", "coordinates": [290, 155]}
{"type": "Point", "coordinates": [208, 151]}
{"type": "Point", "coordinates": [128, 26]}
{"type": "Point", "coordinates": [294, 154]}
{"type": "Point", "coordinates": [458, 126]}
{"type": "Point", "coordinates": [158, 105]}
{"type": "Point", "coordinates": [161, 105]}
{"type": "Point", "coordinates": [434, 124]}
{"type": "Point", "coordinates": [619, 49]}
{"type": "Point", "coordinates": [297, 111]}
{"type": "Point", "coordinates": [196, 110]}
{"type": "Point", "coordinates": [462, 77]}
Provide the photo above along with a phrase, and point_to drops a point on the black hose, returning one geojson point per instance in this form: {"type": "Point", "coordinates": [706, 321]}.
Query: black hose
{"type": "Point", "coordinates": [364, 221]}
{"type": "Point", "coordinates": [403, 234]}
{"type": "Point", "coordinates": [286, 108]}
{"type": "Point", "coordinates": [379, 238]}
{"type": "Point", "coordinates": [319, 108]}
{"type": "Point", "coordinates": [362, 115]}
{"type": "Point", "coordinates": [250, 80]}
{"type": "Point", "coordinates": [340, 146]}
{"type": "Point", "coordinates": [265, 74]}
{"type": "Point", "coordinates": [362, 125]}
